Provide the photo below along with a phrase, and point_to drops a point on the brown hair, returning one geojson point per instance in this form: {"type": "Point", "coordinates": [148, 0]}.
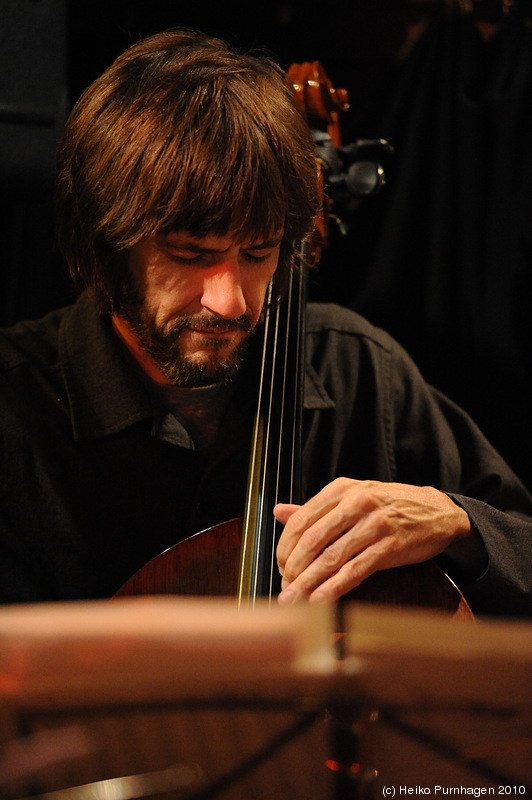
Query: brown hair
{"type": "Point", "coordinates": [181, 132]}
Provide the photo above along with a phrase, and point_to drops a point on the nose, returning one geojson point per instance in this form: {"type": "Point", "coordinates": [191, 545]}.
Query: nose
{"type": "Point", "coordinates": [222, 290]}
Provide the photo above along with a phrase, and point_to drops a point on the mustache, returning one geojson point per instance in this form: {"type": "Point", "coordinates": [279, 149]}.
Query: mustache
{"type": "Point", "coordinates": [210, 322]}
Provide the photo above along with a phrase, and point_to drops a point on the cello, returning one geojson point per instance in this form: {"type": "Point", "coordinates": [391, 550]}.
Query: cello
{"type": "Point", "coordinates": [237, 557]}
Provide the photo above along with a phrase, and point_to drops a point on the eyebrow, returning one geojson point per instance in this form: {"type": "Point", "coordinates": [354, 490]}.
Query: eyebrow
{"type": "Point", "coordinates": [265, 244]}
{"type": "Point", "coordinates": [194, 247]}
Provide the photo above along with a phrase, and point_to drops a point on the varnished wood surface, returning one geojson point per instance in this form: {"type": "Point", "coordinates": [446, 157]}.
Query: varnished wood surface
{"type": "Point", "coordinates": [207, 563]}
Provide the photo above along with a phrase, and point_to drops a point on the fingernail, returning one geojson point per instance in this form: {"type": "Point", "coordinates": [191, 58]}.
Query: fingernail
{"type": "Point", "coordinates": [318, 597]}
{"type": "Point", "coordinates": [287, 597]}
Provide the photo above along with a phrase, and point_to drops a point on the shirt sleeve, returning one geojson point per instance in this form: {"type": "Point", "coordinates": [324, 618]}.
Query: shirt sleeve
{"type": "Point", "coordinates": [437, 443]}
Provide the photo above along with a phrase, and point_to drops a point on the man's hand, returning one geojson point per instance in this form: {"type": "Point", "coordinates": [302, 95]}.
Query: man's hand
{"type": "Point", "coordinates": [353, 528]}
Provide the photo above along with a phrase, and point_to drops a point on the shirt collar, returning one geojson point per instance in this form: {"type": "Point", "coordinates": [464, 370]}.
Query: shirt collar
{"type": "Point", "coordinates": [105, 393]}
{"type": "Point", "coordinates": [315, 394]}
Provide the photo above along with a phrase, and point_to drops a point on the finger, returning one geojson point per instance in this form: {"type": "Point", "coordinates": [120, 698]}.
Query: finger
{"type": "Point", "coordinates": [311, 543]}
{"type": "Point", "coordinates": [313, 586]}
{"type": "Point", "coordinates": [283, 511]}
{"type": "Point", "coordinates": [300, 584]}
{"type": "Point", "coordinates": [310, 514]}
{"type": "Point", "coordinates": [382, 554]}
{"type": "Point", "coordinates": [335, 536]}
{"type": "Point", "coordinates": [346, 579]}
{"type": "Point", "coordinates": [376, 558]}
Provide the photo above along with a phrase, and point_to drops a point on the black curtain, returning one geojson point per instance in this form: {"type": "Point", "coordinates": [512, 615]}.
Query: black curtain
{"type": "Point", "coordinates": [34, 103]}
{"type": "Point", "coordinates": [443, 258]}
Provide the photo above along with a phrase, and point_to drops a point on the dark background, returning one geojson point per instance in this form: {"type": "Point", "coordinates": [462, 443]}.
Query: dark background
{"type": "Point", "coordinates": [442, 257]}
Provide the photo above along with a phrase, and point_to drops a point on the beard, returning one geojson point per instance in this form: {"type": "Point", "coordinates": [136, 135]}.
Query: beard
{"type": "Point", "coordinates": [165, 344]}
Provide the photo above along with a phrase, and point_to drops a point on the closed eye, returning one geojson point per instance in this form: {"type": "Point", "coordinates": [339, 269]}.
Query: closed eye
{"type": "Point", "coordinates": [187, 259]}
{"type": "Point", "coordinates": [256, 259]}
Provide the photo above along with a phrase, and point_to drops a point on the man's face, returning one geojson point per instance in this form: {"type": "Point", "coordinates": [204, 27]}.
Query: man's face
{"type": "Point", "coordinates": [194, 303]}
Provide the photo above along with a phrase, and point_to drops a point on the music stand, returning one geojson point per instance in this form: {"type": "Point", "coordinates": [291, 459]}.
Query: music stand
{"type": "Point", "coordinates": [196, 699]}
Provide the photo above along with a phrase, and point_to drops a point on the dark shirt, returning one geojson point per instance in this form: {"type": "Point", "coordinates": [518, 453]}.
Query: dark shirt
{"type": "Point", "coordinates": [98, 476]}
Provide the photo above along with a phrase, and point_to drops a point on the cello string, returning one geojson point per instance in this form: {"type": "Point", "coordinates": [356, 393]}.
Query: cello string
{"type": "Point", "coordinates": [296, 462]}
{"type": "Point", "coordinates": [295, 314]}
{"type": "Point", "coordinates": [262, 429]}
{"type": "Point", "coordinates": [267, 395]}
{"type": "Point", "coordinates": [254, 448]}
{"type": "Point", "coordinates": [282, 437]}
{"type": "Point", "coordinates": [267, 447]}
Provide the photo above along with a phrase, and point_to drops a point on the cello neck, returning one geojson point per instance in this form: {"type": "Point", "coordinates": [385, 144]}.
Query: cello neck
{"type": "Point", "coordinates": [275, 462]}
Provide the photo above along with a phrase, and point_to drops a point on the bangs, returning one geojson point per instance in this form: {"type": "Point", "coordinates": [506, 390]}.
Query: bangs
{"type": "Point", "coordinates": [236, 185]}
{"type": "Point", "coordinates": [209, 167]}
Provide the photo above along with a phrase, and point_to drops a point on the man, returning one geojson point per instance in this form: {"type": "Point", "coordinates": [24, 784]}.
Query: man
{"type": "Point", "coordinates": [186, 176]}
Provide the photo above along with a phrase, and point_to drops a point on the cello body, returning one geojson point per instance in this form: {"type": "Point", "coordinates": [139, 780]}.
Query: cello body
{"type": "Point", "coordinates": [206, 565]}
